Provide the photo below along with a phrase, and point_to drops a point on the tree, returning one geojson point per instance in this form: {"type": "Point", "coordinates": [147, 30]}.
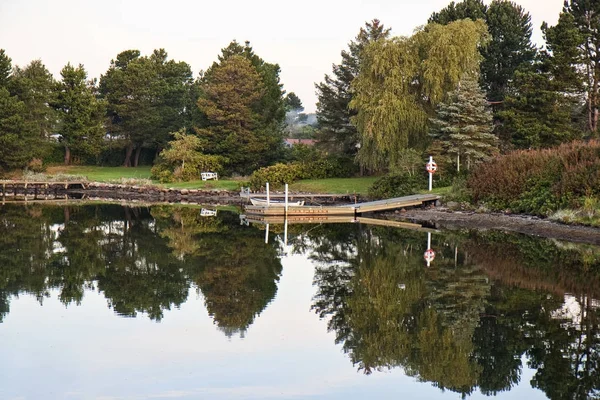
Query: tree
{"type": "Point", "coordinates": [402, 80]}
{"type": "Point", "coordinates": [536, 112]}
{"type": "Point", "coordinates": [509, 48]}
{"type": "Point", "coordinates": [5, 68]}
{"type": "Point", "coordinates": [293, 102]}
{"type": "Point", "coordinates": [35, 86]}
{"type": "Point", "coordinates": [81, 114]}
{"type": "Point", "coordinates": [573, 45]}
{"type": "Point", "coordinates": [184, 149]}
{"type": "Point", "coordinates": [463, 124]}
{"type": "Point", "coordinates": [336, 132]}
{"type": "Point", "coordinates": [231, 93]}
{"type": "Point", "coordinates": [17, 138]}
{"type": "Point", "coordinates": [148, 98]}
{"type": "Point", "coordinates": [270, 106]}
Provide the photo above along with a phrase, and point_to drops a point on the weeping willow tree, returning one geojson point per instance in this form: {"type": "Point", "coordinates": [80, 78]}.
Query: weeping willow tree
{"type": "Point", "coordinates": [401, 81]}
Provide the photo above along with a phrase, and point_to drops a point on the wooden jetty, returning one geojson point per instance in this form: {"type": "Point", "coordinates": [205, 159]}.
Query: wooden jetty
{"type": "Point", "coordinates": [343, 210]}
{"type": "Point", "coordinates": [333, 219]}
{"type": "Point", "coordinates": [26, 190]}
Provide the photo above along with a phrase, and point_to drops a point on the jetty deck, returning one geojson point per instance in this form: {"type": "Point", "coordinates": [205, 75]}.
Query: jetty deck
{"type": "Point", "coordinates": [343, 210]}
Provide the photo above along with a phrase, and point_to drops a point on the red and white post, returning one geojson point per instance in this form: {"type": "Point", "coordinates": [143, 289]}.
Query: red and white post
{"type": "Point", "coordinates": [431, 167]}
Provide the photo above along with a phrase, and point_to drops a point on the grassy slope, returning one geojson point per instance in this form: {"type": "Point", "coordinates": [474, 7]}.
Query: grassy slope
{"type": "Point", "coordinates": [335, 185]}
{"type": "Point", "coordinates": [358, 185]}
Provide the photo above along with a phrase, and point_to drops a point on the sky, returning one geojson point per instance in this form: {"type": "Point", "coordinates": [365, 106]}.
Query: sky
{"type": "Point", "coordinates": [304, 38]}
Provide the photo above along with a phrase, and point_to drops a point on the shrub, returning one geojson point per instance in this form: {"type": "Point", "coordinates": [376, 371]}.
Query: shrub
{"type": "Point", "coordinates": [397, 185]}
{"type": "Point", "coordinates": [277, 175]}
{"type": "Point", "coordinates": [36, 165]}
{"type": "Point", "coordinates": [541, 181]}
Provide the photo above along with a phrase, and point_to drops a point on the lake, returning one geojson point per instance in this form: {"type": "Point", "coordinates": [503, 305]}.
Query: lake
{"type": "Point", "coordinates": [112, 302]}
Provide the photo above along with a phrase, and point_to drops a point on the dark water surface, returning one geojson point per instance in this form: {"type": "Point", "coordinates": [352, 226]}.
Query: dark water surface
{"type": "Point", "coordinates": [111, 302]}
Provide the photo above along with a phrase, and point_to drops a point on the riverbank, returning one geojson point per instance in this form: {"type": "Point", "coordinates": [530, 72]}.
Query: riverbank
{"type": "Point", "coordinates": [443, 218]}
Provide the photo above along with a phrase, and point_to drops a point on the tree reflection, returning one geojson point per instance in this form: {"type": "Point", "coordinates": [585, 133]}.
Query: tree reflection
{"type": "Point", "coordinates": [454, 326]}
{"type": "Point", "coordinates": [142, 260]}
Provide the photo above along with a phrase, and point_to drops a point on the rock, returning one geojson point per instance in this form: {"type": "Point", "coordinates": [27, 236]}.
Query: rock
{"type": "Point", "coordinates": [452, 204]}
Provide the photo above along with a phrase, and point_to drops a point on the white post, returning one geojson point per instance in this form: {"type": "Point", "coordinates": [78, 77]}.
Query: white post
{"type": "Point", "coordinates": [268, 199]}
{"type": "Point", "coordinates": [285, 233]}
{"type": "Point", "coordinates": [428, 240]}
{"type": "Point", "coordinates": [430, 174]}
{"type": "Point", "coordinates": [267, 234]}
{"type": "Point", "coordinates": [286, 199]}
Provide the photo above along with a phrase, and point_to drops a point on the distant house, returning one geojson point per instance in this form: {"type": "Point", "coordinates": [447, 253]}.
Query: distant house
{"type": "Point", "coordinates": [293, 142]}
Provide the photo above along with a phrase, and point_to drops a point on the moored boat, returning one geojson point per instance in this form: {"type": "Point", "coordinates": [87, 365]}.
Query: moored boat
{"type": "Point", "coordinates": [274, 203]}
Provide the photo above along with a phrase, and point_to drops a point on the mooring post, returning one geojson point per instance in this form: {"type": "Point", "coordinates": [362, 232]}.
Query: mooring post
{"type": "Point", "coordinates": [267, 234]}
{"type": "Point", "coordinates": [286, 199]}
{"type": "Point", "coordinates": [268, 199]}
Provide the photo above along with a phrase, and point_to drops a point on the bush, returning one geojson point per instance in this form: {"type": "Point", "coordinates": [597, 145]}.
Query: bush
{"type": "Point", "coordinates": [165, 171]}
{"type": "Point", "coordinates": [539, 182]}
{"type": "Point", "coordinates": [276, 175]}
{"type": "Point", "coordinates": [36, 165]}
{"type": "Point", "coordinates": [397, 185]}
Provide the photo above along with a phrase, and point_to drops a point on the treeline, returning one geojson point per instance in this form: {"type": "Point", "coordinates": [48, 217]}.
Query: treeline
{"type": "Point", "coordinates": [236, 108]}
{"type": "Point", "coordinates": [466, 86]}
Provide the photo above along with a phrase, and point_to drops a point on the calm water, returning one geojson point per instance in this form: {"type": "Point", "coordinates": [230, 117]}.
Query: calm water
{"type": "Point", "coordinates": [110, 302]}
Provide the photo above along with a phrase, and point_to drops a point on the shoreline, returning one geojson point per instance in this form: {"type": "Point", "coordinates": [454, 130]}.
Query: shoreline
{"type": "Point", "coordinates": [525, 224]}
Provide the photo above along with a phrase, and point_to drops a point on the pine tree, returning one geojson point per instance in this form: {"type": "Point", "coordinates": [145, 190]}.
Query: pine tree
{"type": "Point", "coordinates": [18, 141]}
{"type": "Point", "coordinates": [574, 49]}
{"type": "Point", "coordinates": [270, 108]}
{"type": "Point", "coordinates": [81, 114]}
{"type": "Point", "coordinates": [536, 112]}
{"type": "Point", "coordinates": [463, 124]}
{"type": "Point", "coordinates": [35, 86]}
{"type": "Point", "coordinates": [510, 47]}
{"type": "Point", "coordinates": [230, 94]}
{"type": "Point", "coordinates": [336, 132]}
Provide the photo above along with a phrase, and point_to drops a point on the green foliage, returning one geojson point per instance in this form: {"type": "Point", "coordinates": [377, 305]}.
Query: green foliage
{"type": "Point", "coordinates": [573, 45]}
{"type": "Point", "coordinates": [276, 175]}
{"type": "Point", "coordinates": [242, 101]}
{"type": "Point", "coordinates": [510, 48]}
{"type": "Point", "coordinates": [148, 98]}
{"type": "Point", "coordinates": [17, 142]}
{"type": "Point", "coordinates": [293, 102]}
{"type": "Point", "coordinates": [397, 185]}
{"type": "Point", "coordinates": [81, 114]}
{"type": "Point", "coordinates": [183, 161]}
{"type": "Point", "coordinates": [232, 92]}
{"type": "Point", "coordinates": [536, 113]}
{"type": "Point", "coordinates": [539, 182]}
{"type": "Point", "coordinates": [463, 125]}
{"type": "Point", "coordinates": [336, 132]}
{"type": "Point", "coordinates": [402, 79]}
{"type": "Point", "coordinates": [318, 167]}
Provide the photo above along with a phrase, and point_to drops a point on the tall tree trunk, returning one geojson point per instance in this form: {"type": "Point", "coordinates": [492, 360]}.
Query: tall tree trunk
{"type": "Point", "coordinates": [67, 155]}
{"type": "Point", "coordinates": [127, 162]}
{"type": "Point", "coordinates": [136, 158]}
{"type": "Point", "coordinates": [458, 162]}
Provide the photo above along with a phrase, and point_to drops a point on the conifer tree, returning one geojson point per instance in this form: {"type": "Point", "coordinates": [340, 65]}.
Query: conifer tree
{"type": "Point", "coordinates": [18, 141]}
{"type": "Point", "coordinates": [574, 49]}
{"type": "Point", "coordinates": [230, 94]}
{"type": "Point", "coordinates": [463, 124]}
{"type": "Point", "coordinates": [336, 132]}
{"type": "Point", "coordinates": [510, 47]}
{"type": "Point", "coordinates": [81, 114]}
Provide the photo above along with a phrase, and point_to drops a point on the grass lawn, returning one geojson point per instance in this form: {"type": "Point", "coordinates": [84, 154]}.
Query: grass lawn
{"type": "Point", "coordinates": [107, 174]}
{"type": "Point", "coordinates": [335, 185]}
{"type": "Point", "coordinates": [101, 174]}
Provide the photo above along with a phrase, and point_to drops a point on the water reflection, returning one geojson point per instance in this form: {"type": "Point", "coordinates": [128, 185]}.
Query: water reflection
{"type": "Point", "coordinates": [489, 306]}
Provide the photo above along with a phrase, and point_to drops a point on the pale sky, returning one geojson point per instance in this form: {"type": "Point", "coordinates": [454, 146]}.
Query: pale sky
{"type": "Point", "coordinates": [303, 37]}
